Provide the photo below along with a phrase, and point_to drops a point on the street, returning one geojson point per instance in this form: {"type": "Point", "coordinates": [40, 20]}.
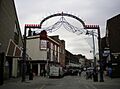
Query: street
{"type": "Point", "coordinates": [67, 82]}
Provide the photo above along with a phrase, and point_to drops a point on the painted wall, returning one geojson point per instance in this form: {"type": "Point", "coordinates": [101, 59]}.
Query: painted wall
{"type": "Point", "coordinates": [33, 50]}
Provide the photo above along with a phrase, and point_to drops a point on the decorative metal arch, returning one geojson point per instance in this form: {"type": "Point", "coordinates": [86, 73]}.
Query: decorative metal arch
{"type": "Point", "coordinates": [85, 27]}
{"type": "Point", "coordinates": [62, 14]}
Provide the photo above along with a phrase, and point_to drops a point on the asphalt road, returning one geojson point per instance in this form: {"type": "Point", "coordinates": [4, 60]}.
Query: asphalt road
{"type": "Point", "coordinates": [75, 82]}
{"type": "Point", "coordinates": [67, 82]}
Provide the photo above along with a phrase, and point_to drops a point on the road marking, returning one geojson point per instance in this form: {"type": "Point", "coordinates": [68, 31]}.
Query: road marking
{"type": "Point", "coordinates": [93, 87]}
{"type": "Point", "coordinates": [89, 86]}
{"type": "Point", "coordinates": [42, 87]}
{"type": "Point", "coordinates": [86, 86]}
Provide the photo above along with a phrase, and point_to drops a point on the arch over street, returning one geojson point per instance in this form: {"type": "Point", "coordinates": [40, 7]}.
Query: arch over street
{"type": "Point", "coordinates": [39, 26]}
{"type": "Point", "coordinates": [62, 14]}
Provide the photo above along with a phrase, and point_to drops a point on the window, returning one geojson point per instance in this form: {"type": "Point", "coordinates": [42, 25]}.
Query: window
{"type": "Point", "coordinates": [43, 44]}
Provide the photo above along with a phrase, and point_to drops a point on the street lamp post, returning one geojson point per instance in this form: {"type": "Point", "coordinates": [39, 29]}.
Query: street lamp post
{"type": "Point", "coordinates": [48, 59]}
{"type": "Point", "coordinates": [100, 55]}
{"type": "Point", "coordinates": [93, 49]}
{"type": "Point", "coordinates": [95, 74]}
{"type": "Point", "coordinates": [99, 47]}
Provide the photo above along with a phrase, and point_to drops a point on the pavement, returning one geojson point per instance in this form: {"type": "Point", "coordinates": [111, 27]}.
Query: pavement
{"type": "Point", "coordinates": [16, 83]}
{"type": "Point", "coordinates": [107, 80]}
{"type": "Point", "coordinates": [39, 82]}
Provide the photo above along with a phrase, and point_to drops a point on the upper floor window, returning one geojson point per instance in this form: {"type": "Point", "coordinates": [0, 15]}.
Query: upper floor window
{"type": "Point", "coordinates": [43, 44]}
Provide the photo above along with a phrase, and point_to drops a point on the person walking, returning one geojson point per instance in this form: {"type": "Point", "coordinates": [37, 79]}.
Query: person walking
{"type": "Point", "coordinates": [30, 74]}
{"type": "Point", "coordinates": [87, 74]}
{"type": "Point", "coordinates": [110, 72]}
{"type": "Point", "coordinates": [95, 75]}
{"type": "Point", "coordinates": [79, 72]}
{"type": "Point", "coordinates": [42, 72]}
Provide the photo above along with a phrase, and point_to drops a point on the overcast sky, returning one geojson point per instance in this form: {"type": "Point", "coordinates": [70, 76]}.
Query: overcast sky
{"type": "Point", "coordinates": [90, 11]}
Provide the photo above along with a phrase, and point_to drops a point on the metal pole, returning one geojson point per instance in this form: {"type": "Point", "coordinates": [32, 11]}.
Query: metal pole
{"type": "Point", "coordinates": [24, 57]}
{"type": "Point", "coordinates": [100, 56]}
{"type": "Point", "coordinates": [95, 74]}
{"type": "Point", "coordinates": [94, 49]}
{"type": "Point", "coordinates": [47, 69]}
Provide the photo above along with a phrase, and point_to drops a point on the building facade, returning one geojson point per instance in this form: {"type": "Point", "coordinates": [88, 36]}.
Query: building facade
{"type": "Point", "coordinates": [44, 52]}
{"type": "Point", "coordinates": [71, 60]}
{"type": "Point", "coordinates": [61, 49]}
{"type": "Point", "coordinates": [10, 40]}
{"type": "Point", "coordinates": [113, 42]}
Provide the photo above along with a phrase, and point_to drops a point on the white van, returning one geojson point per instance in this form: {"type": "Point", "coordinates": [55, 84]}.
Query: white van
{"type": "Point", "coordinates": [55, 71]}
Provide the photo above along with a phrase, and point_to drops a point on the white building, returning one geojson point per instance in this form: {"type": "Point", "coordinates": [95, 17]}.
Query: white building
{"type": "Point", "coordinates": [44, 51]}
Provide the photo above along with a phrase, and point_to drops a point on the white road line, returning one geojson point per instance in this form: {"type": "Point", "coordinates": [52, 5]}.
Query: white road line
{"type": "Point", "coordinates": [87, 87]}
{"type": "Point", "coordinates": [42, 87]}
{"type": "Point", "coordinates": [93, 87]}
{"type": "Point", "coordinates": [90, 86]}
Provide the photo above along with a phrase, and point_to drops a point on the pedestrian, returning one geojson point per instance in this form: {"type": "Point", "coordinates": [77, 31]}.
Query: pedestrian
{"type": "Point", "coordinates": [87, 74]}
{"type": "Point", "coordinates": [79, 72]}
{"type": "Point", "coordinates": [110, 72]}
{"type": "Point", "coordinates": [95, 75]}
{"type": "Point", "coordinates": [42, 72]}
{"type": "Point", "coordinates": [90, 74]}
{"type": "Point", "coordinates": [30, 75]}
